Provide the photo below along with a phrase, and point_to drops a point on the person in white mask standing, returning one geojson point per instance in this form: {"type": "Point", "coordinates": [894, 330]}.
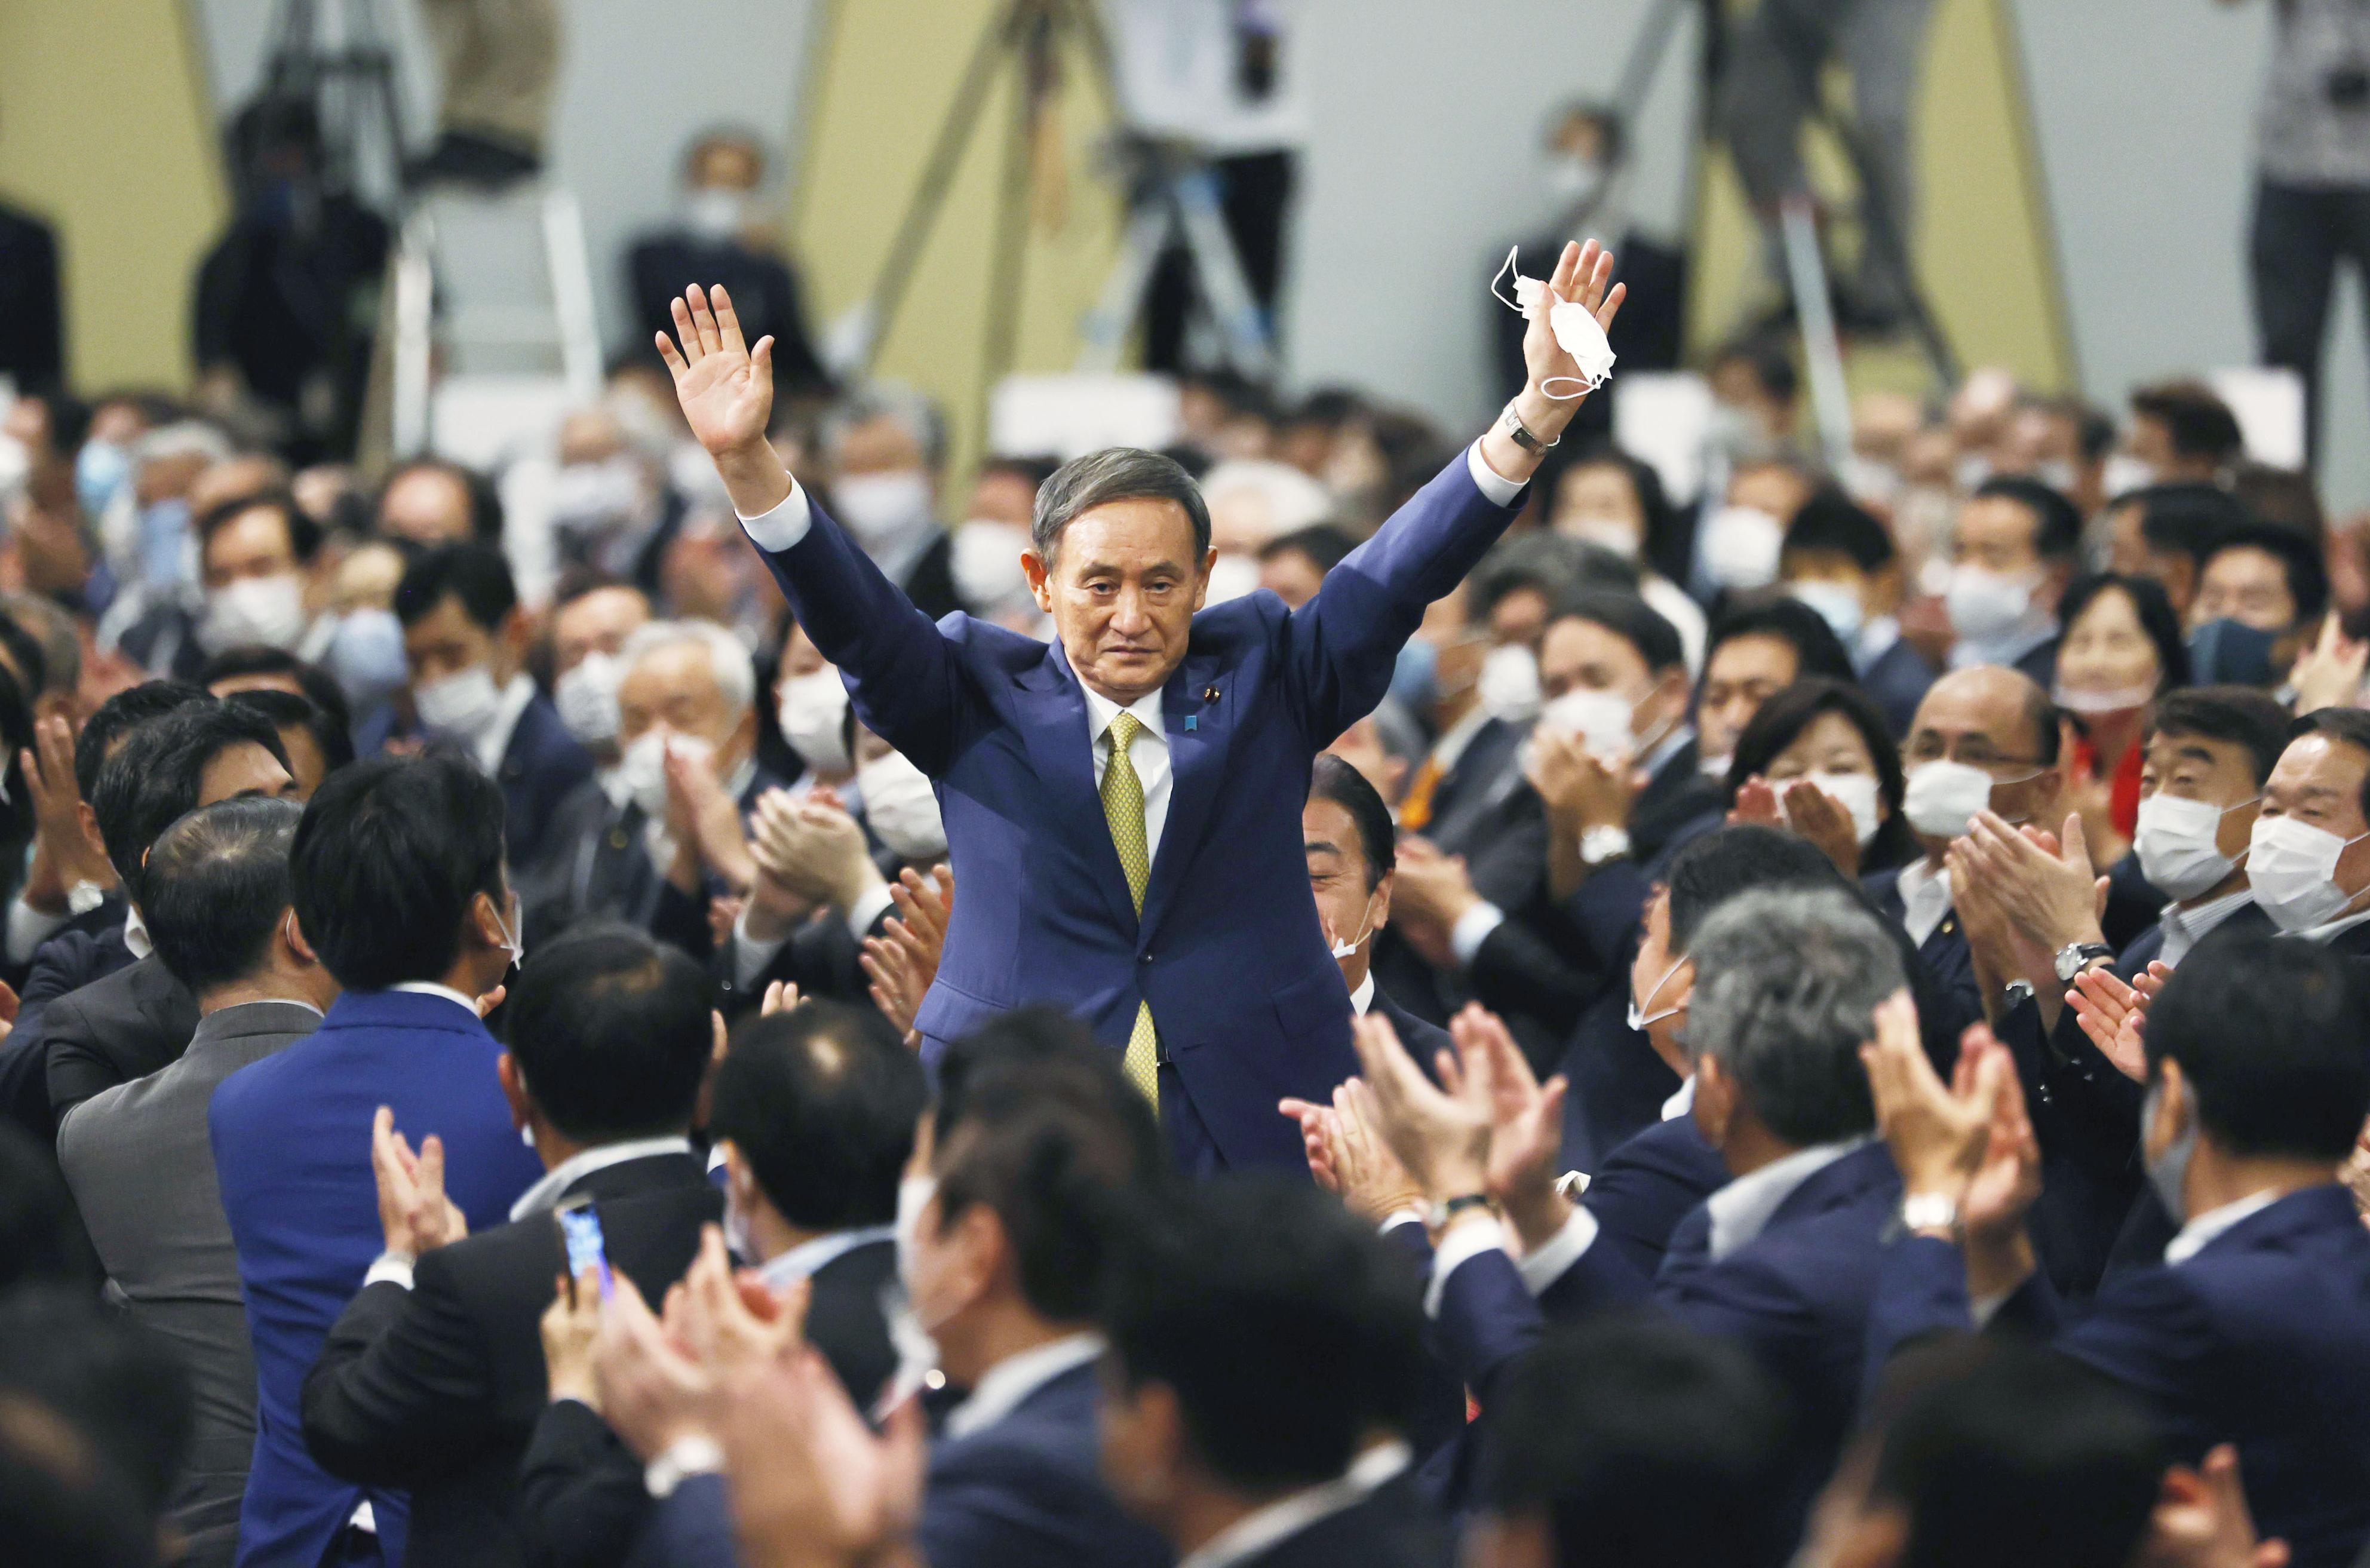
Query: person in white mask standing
{"type": "Point", "coordinates": [465, 639]}
{"type": "Point", "coordinates": [886, 448]}
{"type": "Point", "coordinates": [2017, 546]}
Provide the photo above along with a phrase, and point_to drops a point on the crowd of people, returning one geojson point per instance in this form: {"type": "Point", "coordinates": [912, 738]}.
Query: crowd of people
{"type": "Point", "coordinates": [544, 1034]}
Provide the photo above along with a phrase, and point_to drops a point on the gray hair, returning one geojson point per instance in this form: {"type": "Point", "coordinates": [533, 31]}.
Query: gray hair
{"type": "Point", "coordinates": [919, 417]}
{"type": "Point", "coordinates": [1786, 984]}
{"type": "Point", "coordinates": [728, 656]}
{"type": "Point", "coordinates": [1116, 473]}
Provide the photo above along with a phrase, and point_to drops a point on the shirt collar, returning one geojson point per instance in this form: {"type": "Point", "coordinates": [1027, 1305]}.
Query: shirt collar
{"type": "Point", "coordinates": [2209, 1225]}
{"type": "Point", "coordinates": [1683, 1102]}
{"type": "Point", "coordinates": [1101, 711]}
{"type": "Point", "coordinates": [136, 933]}
{"type": "Point", "coordinates": [497, 738]}
{"type": "Point", "coordinates": [544, 1195]}
{"type": "Point", "coordinates": [2005, 650]}
{"type": "Point", "coordinates": [1261, 1529]}
{"type": "Point", "coordinates": [1363, 996]}
{"type": "Point", "coordinates": [1741, 1210]}
{"type": "Point", "coordinates": [1666, 748]}
{"type": "Point", "coordinates": [431, 988]}
{"type": "Point", "coordinates": [2190, 926]}
{"type": "Point", "coordinates": [1876, 639]}
{"type": "Point", "coordinates": [1006, 1385]}
{"type": "Point", "coordinates": [1925, 898]}
{"type": "Point", "coordinates": [1450, 748]}
{"type": "Point", "coordinates": [811, 1257]}
{"type": "Point", "coordinates": [2328, 933]}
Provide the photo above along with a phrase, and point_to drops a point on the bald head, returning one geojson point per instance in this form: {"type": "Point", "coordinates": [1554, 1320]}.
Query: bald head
{"type": "Point", "coordinates": [1994, 719]}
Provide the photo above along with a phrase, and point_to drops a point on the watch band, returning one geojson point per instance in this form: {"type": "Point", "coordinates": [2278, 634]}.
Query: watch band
{"type": "Point", "coordinates": [1522, 435]}
{"type": "Point", "coordinates": [2075, 957]}
{"type": "Point", "coordinates": [1600, 845]}
{"type": "Point", "coordinates": [1449, 1208]}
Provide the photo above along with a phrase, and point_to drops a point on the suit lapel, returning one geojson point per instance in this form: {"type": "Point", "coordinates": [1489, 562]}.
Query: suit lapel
{"type": "Point", "coordinates": [1196, 756]}
{"type": "Point", "coordinates": [1052, 710]}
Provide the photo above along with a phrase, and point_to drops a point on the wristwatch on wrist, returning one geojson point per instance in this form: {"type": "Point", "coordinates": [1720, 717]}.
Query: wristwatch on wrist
{"type": "Point", "coordinates": [1930, 1211]}
{"type": "Point", "coordinates": [1599, 844]}
{"type": "Point", "coordinates": [1441, 1213]}
{"type": "Point", "coordinates": [1521, 433]}
{"type": "Point", "coordinates": [85, 896]}
{"type": "Point", "coordinates": [694, 1454]}
{"type": "Point", "coordinates": [2075, 957]}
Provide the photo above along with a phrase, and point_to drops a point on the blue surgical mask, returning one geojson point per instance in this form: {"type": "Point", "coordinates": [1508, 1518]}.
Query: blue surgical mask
{"type": "Point", "coordinates": [2169, 1171]}
{"type": "Point", "coordinates": [1415, 677]}
{"type": "Point", "coordinates": [2229, 652]}
{"type": "Point", "coordinates": [101, 469]}
{"type": "Point", "coordinates": [366, 656]}
{"type": "Point", "coordinates": [164, 542]}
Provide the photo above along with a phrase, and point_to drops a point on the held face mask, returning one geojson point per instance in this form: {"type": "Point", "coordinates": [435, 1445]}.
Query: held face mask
{"type": "Point", "coordinates": [1576, 330]}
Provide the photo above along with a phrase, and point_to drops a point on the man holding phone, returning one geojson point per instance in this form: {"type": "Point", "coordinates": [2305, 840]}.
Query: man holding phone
{"type": "Point", "coordinates": [433, 1377]}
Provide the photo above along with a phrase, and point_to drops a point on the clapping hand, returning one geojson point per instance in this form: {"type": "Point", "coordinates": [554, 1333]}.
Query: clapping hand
{"type": "Point", "coordinates": [1348, 1154]}
{"type": "Point", "coordinates": [1525, 1124]}
{"type": "Point", "coordinates": [2048, 888]}
{"type": "Point", "coordinates": [705, 824]}
{"type": "Point", "coordinates": [570, 1327]}
{"type": "Point", "coordinates": [815, 849]}
{"type": "Point", "coordinates": [1428, 893]}
{"type": "Point", "coordinates": [2113, 1014]}
{"type": "Point", "coordinates": [2328, 674]}
{"type": "Point", "coordinates": [2201, 1520]}
{"type": "Point", "coordinates": [810, 1485]}
{"type": "Point", "coordinates": [1442, 1136]}
{"type": "Point", "coordinates": [412, 1208]}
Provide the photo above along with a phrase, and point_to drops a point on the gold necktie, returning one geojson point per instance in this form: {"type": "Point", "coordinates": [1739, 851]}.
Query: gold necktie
{"type": "Point", "coordinates": [1123, 809]}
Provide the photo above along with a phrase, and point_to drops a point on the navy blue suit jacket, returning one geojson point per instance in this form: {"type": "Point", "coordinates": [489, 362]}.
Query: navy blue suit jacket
{"type": "Point", "coordinates": [1228, 950]}
{"type": "Point", "coordinates": [2261, 1339]}
{"type": "Point", "coordinates": [1947, 958]}
{"type": "Point", "coordinates": [540, 766]}
{"type": "Point", "coordinates": [1648, 1185]}
{"type": "Point", "coordinates": [291, 1151]}
{"type": "Point", "coordinates": [1897, 679]}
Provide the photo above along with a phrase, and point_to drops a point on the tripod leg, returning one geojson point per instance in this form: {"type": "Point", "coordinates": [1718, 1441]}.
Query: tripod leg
{"type": "Point", "coordinates": [1122, 297]}
{"type": "Point", "coordinates": [937, 176]}
{"type": "Point", "coordinates": [1220, 272]}
{"type": "Point", "coordinates": [1008, 260]}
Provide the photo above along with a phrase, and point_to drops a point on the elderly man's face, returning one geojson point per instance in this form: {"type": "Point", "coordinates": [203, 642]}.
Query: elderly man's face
{"type": "Point", "coordinates": [1981, 716]}
{"type": "Point", "coordinates": [675, 687]}
{"type": "Point", "coordinates": [598, 622]}
{"type": "Point", "coordinates": [1122, 588]}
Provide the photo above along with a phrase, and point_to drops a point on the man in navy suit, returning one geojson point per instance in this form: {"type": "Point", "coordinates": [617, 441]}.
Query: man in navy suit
{"type": "Point", "coordinates": [465, 638]}
{"type": "Point", "coordinates": [1842, 562]}
{"type": "Point", "coordinates": [1784, 1258]}
{"type": "Point", "coordinates": [2253, 1331]}
{"type": "Point", "coordinates": [400, 890]}
{"type": "Point", "coordinates": [1261, 1340]}
{"type": "Point", "coordinates": [2017, 546]}
{"type": "Point", "coordinates": [1126, 799]}
{"type": "Point", "coordinates": [1353, 854]}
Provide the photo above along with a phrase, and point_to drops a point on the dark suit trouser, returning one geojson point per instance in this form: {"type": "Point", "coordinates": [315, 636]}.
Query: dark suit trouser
{"type": "Point", "coordinates": [2298, 236]}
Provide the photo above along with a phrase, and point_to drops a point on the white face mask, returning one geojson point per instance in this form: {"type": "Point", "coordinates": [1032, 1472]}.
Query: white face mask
{"type": "Point", "coordinates": [715, 214]}
{"type": "Point", "coordinates": [1837, 604]}
{"type": "Point", "coordinates": [1231, 577]}
{"type": "Point", "coordinates": [461, 706]}
{"type": "Point", "coordinates": [1856, 792]}
{"type": "Point", "coordinates": [1985, 605]}
{"type": "Point", "coordinates": [914, 1196]}
{"type": "Point", "coordinates": [693, 474]}
{"type": "Point", "coordinates": [1640, 1019]}
{"type": "Point", "coordinates": [901, 807]}
{"type": "Point", "coordinates": [587, 697]}
{"type": "Point", "coordinates": [2123, 701]}
{"type": "Point", "coordinates": [1715, 766]}
{"type": "Point", "coordinates": [1510, 683]}
{"type": "Point", "coordinates": [2124, 474]}
{"type": "Point", "coordinates": [266, 610]}
{"type": "Point", "coordinates": [743, 1246]}
{"type": "Point", "coordinates": [881, 508]}
{"type": "Point", "coordinates": [2176, 842]}
{"type": "Point", "coordinates": [1741, 546]}
{"type": "Point", "coordinates": [814, 707]}
{"type": "Point", "coordinates": [642, 771]}
{"type": "Point", "coordinates": [2292, 867]}
{"type": "Point", "coordinates": [985, 561]}
{"type": "Point", "coordinates": [591, 498]}
{"type": "Point", "coordinates": [1572, 180]}
{"type": "Point", "coordinates": [1606, 534]}
{"type": "Point", "coordinates": [1943, 797]}
{"type": "Point", "coordinates": [1603, 720]}
{"type": "Point", "coordinates": [1576, 332]}
{"type": "Point", "coordinates": [1343, 947]}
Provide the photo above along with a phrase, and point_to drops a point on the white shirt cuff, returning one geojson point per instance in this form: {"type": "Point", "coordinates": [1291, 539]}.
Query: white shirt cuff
{"type": "Point", "coordinates": [867, 909]}
{"type": "Point", "coordinates": [1501, 490]}
{"type": "Point", "coordinates": [1397, 1218]}
{"type": "Point", "coordinates": [751, 956]}
{"type": "Point", "coordinates": [1473, 928]}
{"type": "Point", "coordinates": [392, 1268]}
{"type": "Point", "coordinates": [688, 1456]}
{"type": "Point", "coordinates": [1565, 1248]}
{"type": "Point", "coordinates": [1460, 1243]}
{"type": "Point", "coordinates": [783, 526]}
{"type": "Point", "coordinates": [28, 928]}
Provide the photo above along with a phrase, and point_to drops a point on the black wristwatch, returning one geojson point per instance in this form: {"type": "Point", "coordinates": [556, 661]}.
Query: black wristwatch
{"type": "Point", "coordinates": [1448, 1210]}
{"type": "Point", "coordinates": [2075, 957]}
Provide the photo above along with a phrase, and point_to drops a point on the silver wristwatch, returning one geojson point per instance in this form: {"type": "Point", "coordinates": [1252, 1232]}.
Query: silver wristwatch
{"type": "Point", "coordinates": [1521, 433]}
{"type": "Point", "coordinates": [1599, 844]}
{"type": "Point", "coordinates": [2075, 957]}
{"type": "Point", "coordinates": [1929, 1211]}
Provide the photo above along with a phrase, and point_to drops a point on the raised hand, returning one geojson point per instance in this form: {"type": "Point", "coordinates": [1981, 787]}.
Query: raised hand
{"type": "Point", "coordinates": [726, 387]}
{"type": "Point", "coordinates": [1584, 275]}
{"type": "Point", "coordinates": [1937, 1135]}
{"type": "Point", "coordinates": [570, 1326]}
{"type": "Point", "coordinates": [810, 1485]}
{"type": "Point", "coordinates": [2111, 1014]}
{"type": "Point", "coordinates": [1443, 1137]}
{"type": "Point", "coordinates": [1825, 822]}
{"type": "Point", "coordinates": [413, 1211]}
{"type": "Point", "coordinates": [1527, 1124]}
{"type": "Point", "coordinates": [2328, 674]}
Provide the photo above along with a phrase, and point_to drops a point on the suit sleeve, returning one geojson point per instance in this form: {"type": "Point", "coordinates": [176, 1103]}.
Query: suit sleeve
{"type": "Point", "coordinates": [691, 1528]}
{"type": "Point", "coordinates": [400, 1384]}
{"type": "Point", "coordinates": [581, 1500]}
{"type": "Point", "coordinates": [74, 1066]}
{"type": "Point", "coordinates": [899, 671]}
{"type": "Point", "coordinates": [2149, 1330]}
{"type": "Point", "coordinates": [1342, 645]}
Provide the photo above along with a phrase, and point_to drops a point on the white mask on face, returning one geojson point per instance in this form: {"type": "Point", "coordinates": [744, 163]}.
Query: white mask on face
{"type": "Point", "coordinates": [1985, 605]}
{"type": "Point", "coordinates": [901, 807]}
{"type": "Point", "coordinates": [589, 498]}
{"type": "Point", "coordinates": [2292, 867]}
{"type": "Point", "coordinates": [693, 474]}
{"type": "Point", "coordinates": [2176, 842]}
{"type": "Point", "coordinates": [1741, 546]}
{"type": "Point", "coordinates": [1943, 797]}
{"type": "Point", "coordinates": [914, 1196]}
{"type": "Point", "coordinates": [1856, 792]}
{"type": "Point", "coordinates": [1231, 577]}
{"type": "Point", "coordinates": [1715, 766]}
{"type": "Point", "coordinates": [642, 771]}
{"type": "Point", "coordinates": [1640, 1019]}
{"type": "Point", "coordinates": [1510, 683]}
{"type": "Point", "coordinates": [2124, 474]}
{"type": "Point", "coordinates": [2122, 701]}
{"type": "Point", "coordinates": [1606, 535]}
{"type": "Point", "coordinates": [1837, 604]}
{"type": "Point", "coordinates": [736, 1225]}
{"type": "Point", "coordinates": [1343, 947]}
{"type": "Point", "coordinates": [1600, 719]}
{"type": "Point", "coordinates": [266, 610]}
{"type": "Point", "coordinates": [1576, 332]}
{"type": "Point", "coordinates": [880, 509]}
{"type": "Point", "coordinates": [814, 707]}
{"type": "Point", "coordinates": [460, 706]}
{"type": "Point", "coordinates": [715, 214]}
{"type": "Point", "coordinates": [587, 697]}
{"type": "Point", "coordinates": [985, 561]}
{"type": "Point", "coordinates": [1572, 180]}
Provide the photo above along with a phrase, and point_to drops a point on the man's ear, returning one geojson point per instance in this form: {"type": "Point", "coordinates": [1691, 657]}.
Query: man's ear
{"type": "Point", "coordinates": [293, 932]}
{"type": "Point", "coordinates": [1035, 568]}
{"type": "Point", "coordinates": [513, 1083]}
{"type": "Point", "coordinates": [1379, 911]}
{"type": "Point", "coordinates": [1202, 589]}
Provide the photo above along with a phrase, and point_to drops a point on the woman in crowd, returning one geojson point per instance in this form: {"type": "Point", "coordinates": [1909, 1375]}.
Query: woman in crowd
{"type": "Point", "coordinates": [1818, 759]}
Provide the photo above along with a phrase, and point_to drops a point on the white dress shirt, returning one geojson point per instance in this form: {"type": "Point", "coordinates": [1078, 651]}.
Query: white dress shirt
{"type": "Point", "coordinates": [2321, 936]}
{"type": "Point", "coordinates": [431, 988]}
{"type": "Point", "coordinates": [544, 1195]}
{"type": "Point", "coordinates": [811, 1257]}
{"type": "Point", "coordinates": [1925, 899]}
{"type": "Point", "coordinates": [1741, 1210]}
{"type": "Point", "coordinates": [1363, 996]}
{"type": "Point", "coordinates": [2184, 928]}
{"type": "Point", "coordinates": [1261, 1529]}
{"type": "Point", "coordinates": [1004, 1385]}
{"type": "Point", "coordinates": [2209, 1225]}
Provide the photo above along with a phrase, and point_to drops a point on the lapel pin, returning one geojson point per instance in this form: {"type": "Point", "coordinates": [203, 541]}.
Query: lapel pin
{"type": "Point", "coordinates": [1192, 720]}
{"type": "Point", "coordinates": [1209, 694]}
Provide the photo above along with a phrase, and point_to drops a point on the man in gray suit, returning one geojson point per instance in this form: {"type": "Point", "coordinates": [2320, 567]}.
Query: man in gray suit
{"type": "Point", "coordinates": [138, 1157]}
